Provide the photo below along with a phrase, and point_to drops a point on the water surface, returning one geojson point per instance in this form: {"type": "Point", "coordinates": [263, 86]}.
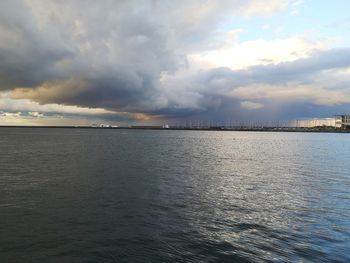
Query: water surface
{"type": "Point", "coordinates": [92, 195]}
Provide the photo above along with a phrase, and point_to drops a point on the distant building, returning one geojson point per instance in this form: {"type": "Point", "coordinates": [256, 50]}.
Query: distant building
{"type": "Point", "coordinates": [316, 122]}
{"type": "Point", "coordinates": [342, 121]}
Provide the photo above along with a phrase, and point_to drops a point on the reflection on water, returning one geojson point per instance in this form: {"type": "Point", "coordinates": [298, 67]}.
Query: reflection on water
{"type": "Point", "coordinates": [74, 195]}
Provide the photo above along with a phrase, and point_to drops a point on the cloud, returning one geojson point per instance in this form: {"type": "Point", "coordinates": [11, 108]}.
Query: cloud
{"type": "Point", "coordinates": [115, 51]}
{"type": "Point", "coordinates": [31, 109]}
{"type": "Point", "coordinates": [240, 55]}
{"type": "Point", "coordinates": [157, 59]}
{"type": "Point", "coordinates": [294, 12]}
{"type": "Point", "coordinates": [297, 3]}
{"type": "Point", "coordinates": [249, 105]}
{"type": "Point", "coordinates": [315, 80]}
{"type": "Point", "coordinates": [28, 55]}
{"type": "Point", "coordinates": [21, 105]}
{"type": "Point", "coordinates": [286, 82]}
{"type": "Point", "coordinates": [293, 93]}
{"type": "Point", "coordinates": [296, 7]}
{"type": "Point", "coordinates": [35, 114]}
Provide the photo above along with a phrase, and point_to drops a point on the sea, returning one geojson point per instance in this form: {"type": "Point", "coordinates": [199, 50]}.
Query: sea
{"type": "Point", "coordinates": [114, 195]}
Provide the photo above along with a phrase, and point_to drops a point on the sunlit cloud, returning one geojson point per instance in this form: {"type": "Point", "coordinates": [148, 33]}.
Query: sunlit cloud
{"type": "Point", "coordinates": [239, 55]}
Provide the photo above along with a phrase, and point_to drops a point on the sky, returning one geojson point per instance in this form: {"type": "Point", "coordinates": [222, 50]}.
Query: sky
{"type": "Point", "coordinates": [136, 62]}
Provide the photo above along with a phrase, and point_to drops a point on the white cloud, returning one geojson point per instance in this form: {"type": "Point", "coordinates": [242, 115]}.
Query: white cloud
{"type": "Point", "coordinates": [294, 12]}
{"type": "Point", "coordinates": [34, 108]}
{"type": "Point", "coordinates": [265, 7]}
{"type": "Point", "coordinates": [35, 114]}
{"type": "Point", "coordinates": [249, 105]}
{"type": "Point", "coordinates": [297, 3]}
{"type": "Point", "coordinates": [241, 55]}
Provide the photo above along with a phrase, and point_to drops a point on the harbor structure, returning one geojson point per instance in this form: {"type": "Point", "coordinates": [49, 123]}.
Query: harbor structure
{"type": "Point", "coordinates": [315, 122]}
{"type": "Point", "coordinates": [342, 121]}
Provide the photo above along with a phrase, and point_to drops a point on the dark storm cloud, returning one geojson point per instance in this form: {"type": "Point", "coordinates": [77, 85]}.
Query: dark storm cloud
{"type": "Point", "coordinates": [109, 55]}
{"type": "Point", "coordinates": [28, 55]}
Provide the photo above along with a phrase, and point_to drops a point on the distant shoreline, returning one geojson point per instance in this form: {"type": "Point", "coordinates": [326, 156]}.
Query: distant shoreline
{"type": "Point", "coordinates": [259, 129]}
